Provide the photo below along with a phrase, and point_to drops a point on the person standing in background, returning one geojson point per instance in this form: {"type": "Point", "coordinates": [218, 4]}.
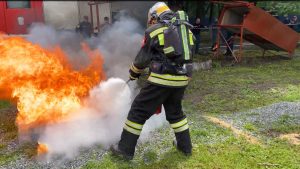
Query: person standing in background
{"type": "Point", "coordinates": [85, 28]}
{"type": "Point", "coordinates": [293, 22]}
{"type": "Point", "coordinates": [286, 20]}
{"type": "Point", "coordinates": [213, 34]}
{"type": "Point", "coordinates": [196, 31]}
{"type": "Point", "coordinates": [105, 26]}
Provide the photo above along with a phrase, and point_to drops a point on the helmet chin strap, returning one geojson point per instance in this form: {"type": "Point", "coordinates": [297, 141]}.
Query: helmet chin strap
{"type": "Point", "coordinates": [152, 21]}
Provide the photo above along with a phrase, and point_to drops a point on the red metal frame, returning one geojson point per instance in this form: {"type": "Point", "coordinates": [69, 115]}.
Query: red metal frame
{"type": "Point", "coordinates": [266, 31]}
{"type": "Point", "coordinates": [97, 12]}
{"type": "Point", "coordinates": [95, 3]}
{"type": "Point", "coordinates": [91, 11]}
{"type": "Point", "coordinates": [241, 27]}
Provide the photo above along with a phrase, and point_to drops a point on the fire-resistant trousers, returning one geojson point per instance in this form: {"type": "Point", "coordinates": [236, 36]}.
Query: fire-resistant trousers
{"type": "Point", "coordinates": [144, 106]}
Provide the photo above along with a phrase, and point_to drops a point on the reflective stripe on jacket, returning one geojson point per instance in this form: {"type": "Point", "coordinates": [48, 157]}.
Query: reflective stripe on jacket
{"type": "Point", "coordinates": [153, 50]}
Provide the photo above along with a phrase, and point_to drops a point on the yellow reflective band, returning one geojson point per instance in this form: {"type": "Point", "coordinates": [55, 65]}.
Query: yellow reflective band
{"type": "Point", "coordinates": [132, 77]}
{"type": "Point", "coordinates": [191, 39]}
{"type": "Point", "coordinates": [134, 125]}
{"type": "Point", "coordinates": [184, 37]}
{"type": "Point", "coordinates": [162, 9]}
{"type": "Point", "coordinates": [161, 39]}
{"type": "Point", "coordinates": [168, 49]}
{"type": "Point", "coordinates": [132, 130]}
{"type": "Point", "coordinates": [180, 129]}
{"type": "Point", "coordinates": [169, 77]}
{"type": "Point", "coordinates": [135, 69]}
{"type": "Point", "coordinates": [173, 19]}
{"type": "Point", "coordinates": [167, 82]}
{"type": "Point", "coordinates": [180, 123]}
{"type": "Point", "coordinates": [158, 31]}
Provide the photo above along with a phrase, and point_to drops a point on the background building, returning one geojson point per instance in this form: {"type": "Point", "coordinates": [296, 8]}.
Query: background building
{"type": "Point", "coordinates": [17, 16]}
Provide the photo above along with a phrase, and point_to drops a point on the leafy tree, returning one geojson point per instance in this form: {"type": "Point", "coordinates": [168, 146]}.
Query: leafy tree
{"type": "Point", "coordinates": [281, 7]}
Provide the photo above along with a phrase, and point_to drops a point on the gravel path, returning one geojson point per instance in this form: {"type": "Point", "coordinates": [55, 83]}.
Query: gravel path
{"type": "Point", "coordinates": [263, 118]}
{"type": "Point", "coordinates": [22, 162]}
{"type": "Point", "coordinates": [93, 153]}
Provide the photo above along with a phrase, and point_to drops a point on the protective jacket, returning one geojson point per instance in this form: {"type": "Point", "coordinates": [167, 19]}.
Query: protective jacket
{"type": "Point", "coordinates": [166, 58]}
{"type": "Point", "coordinates": [155, 54]}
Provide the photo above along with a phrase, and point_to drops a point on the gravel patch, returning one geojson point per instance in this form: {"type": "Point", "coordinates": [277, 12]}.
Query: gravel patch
{"type": "Point", "coordinates": [22, 161]}
{"type": "Point", "coordinates": [263, 118]}
{"type": "Point", "coordinates": [155, 143]}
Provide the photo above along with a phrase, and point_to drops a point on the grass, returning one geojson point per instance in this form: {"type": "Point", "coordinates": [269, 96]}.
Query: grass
{"type": "Point", "coordinates": [4, 104]}
{"type": "Point", "coordinates": [285, 125]}
{"type": "Point", "coordinates": [243, 87]}
{"type": "Point", "coordinates": [250, 127]}
{"type": "Point", "coordinates": [27, 149]}
{"type": "Point", "coordinates": [210, 151]}
{"type": "Point", "coordinates": [225, 89]}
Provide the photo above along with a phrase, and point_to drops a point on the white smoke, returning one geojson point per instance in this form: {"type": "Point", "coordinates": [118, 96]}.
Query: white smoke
{"type": "Point", "coordinates": [69, 41]}
{"type": "Point", "coordinates": [119, 45]}
{"type": "Point", "coordinates": [102, 118]}
{"type": "Point", "coordinates": [100, 122]}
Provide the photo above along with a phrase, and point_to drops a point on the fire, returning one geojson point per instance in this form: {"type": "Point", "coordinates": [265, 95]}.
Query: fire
{"type": "Point", "coordinates": [42, 149]}
{"type": "Point", "coordinates": [44, 84]}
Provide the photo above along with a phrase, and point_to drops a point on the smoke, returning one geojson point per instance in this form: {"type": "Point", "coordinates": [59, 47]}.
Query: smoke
{"type": "Point", "coordinates": [119, 46]}
{"type": "Point", "coordinates": [69, 41]}
{"type": "Point", "coordinates": [102, 117]}
{"type": "Point", "coordinates": [100, 121]}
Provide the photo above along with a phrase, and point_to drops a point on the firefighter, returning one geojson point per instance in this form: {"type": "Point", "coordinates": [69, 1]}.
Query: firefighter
{"type": "Point", "coordinates": [167, 50]}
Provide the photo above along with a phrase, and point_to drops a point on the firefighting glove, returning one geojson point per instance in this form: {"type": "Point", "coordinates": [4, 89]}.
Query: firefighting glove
{"type": "Point", "coordinates": [133, 75]}
{"type": "Point", "coordinates": [189, 68]}
{"type": "Point", "coordinates": [134, 72]}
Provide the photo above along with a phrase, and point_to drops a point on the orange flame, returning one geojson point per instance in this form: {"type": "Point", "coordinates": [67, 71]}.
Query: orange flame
{"type": "Point", "coordinates": [42, 149]}
{"type": "Point", "coordinates": [43, 82]}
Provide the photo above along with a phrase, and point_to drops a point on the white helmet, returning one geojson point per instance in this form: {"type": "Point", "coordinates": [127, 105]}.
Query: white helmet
{"type": "Point", "coordinates": [156, 10]}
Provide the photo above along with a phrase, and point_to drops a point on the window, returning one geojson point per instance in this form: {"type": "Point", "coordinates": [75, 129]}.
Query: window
{"type": "Point", "coordinates": [18, 4]}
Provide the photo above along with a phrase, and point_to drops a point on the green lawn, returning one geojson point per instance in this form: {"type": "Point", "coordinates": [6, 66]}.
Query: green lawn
{"type": "Point", "coordinates": [253, 83]}
{"type": "Point", "coordinates": [214, 147]}
{"type": "Point", "coordinates": [228, 89]}
{"type": "Point", "coordinates": [4, 104]}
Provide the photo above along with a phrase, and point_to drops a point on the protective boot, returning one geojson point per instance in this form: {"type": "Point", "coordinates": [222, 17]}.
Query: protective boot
{"type": "Point", "coordinates": [183, 142]}
{"type": "Point", "coordinates": [116, 151]}
{"type": "Point", "coordinates": [126, 146]}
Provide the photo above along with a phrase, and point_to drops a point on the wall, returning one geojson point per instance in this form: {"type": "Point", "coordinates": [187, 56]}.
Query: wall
{"type": "Point", "coordinates": [137, 9]}
{"type": "Point", "coordinates": [61, 14]}
{"type": "Point", "coordinates": [104, 10]}
{"type": "Point", "coordinates": [67, 14]}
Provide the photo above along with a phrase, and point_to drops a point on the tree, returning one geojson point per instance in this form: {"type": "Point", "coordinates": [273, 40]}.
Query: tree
{"type": "Point", "coordinates": [193, 8]}
{"type": "Point", "coordinates": [281, 8]}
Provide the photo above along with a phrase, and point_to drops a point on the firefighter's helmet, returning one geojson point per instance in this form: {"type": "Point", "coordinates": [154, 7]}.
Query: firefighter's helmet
{"type": "Point", "coordinates": [156, 11]}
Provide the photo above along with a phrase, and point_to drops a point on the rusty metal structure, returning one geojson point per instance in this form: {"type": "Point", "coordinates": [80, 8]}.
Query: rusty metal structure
{"type": "Point", "coordinates": [96, 4]}
{"type": "Point", "coordinates": [255, 25]}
